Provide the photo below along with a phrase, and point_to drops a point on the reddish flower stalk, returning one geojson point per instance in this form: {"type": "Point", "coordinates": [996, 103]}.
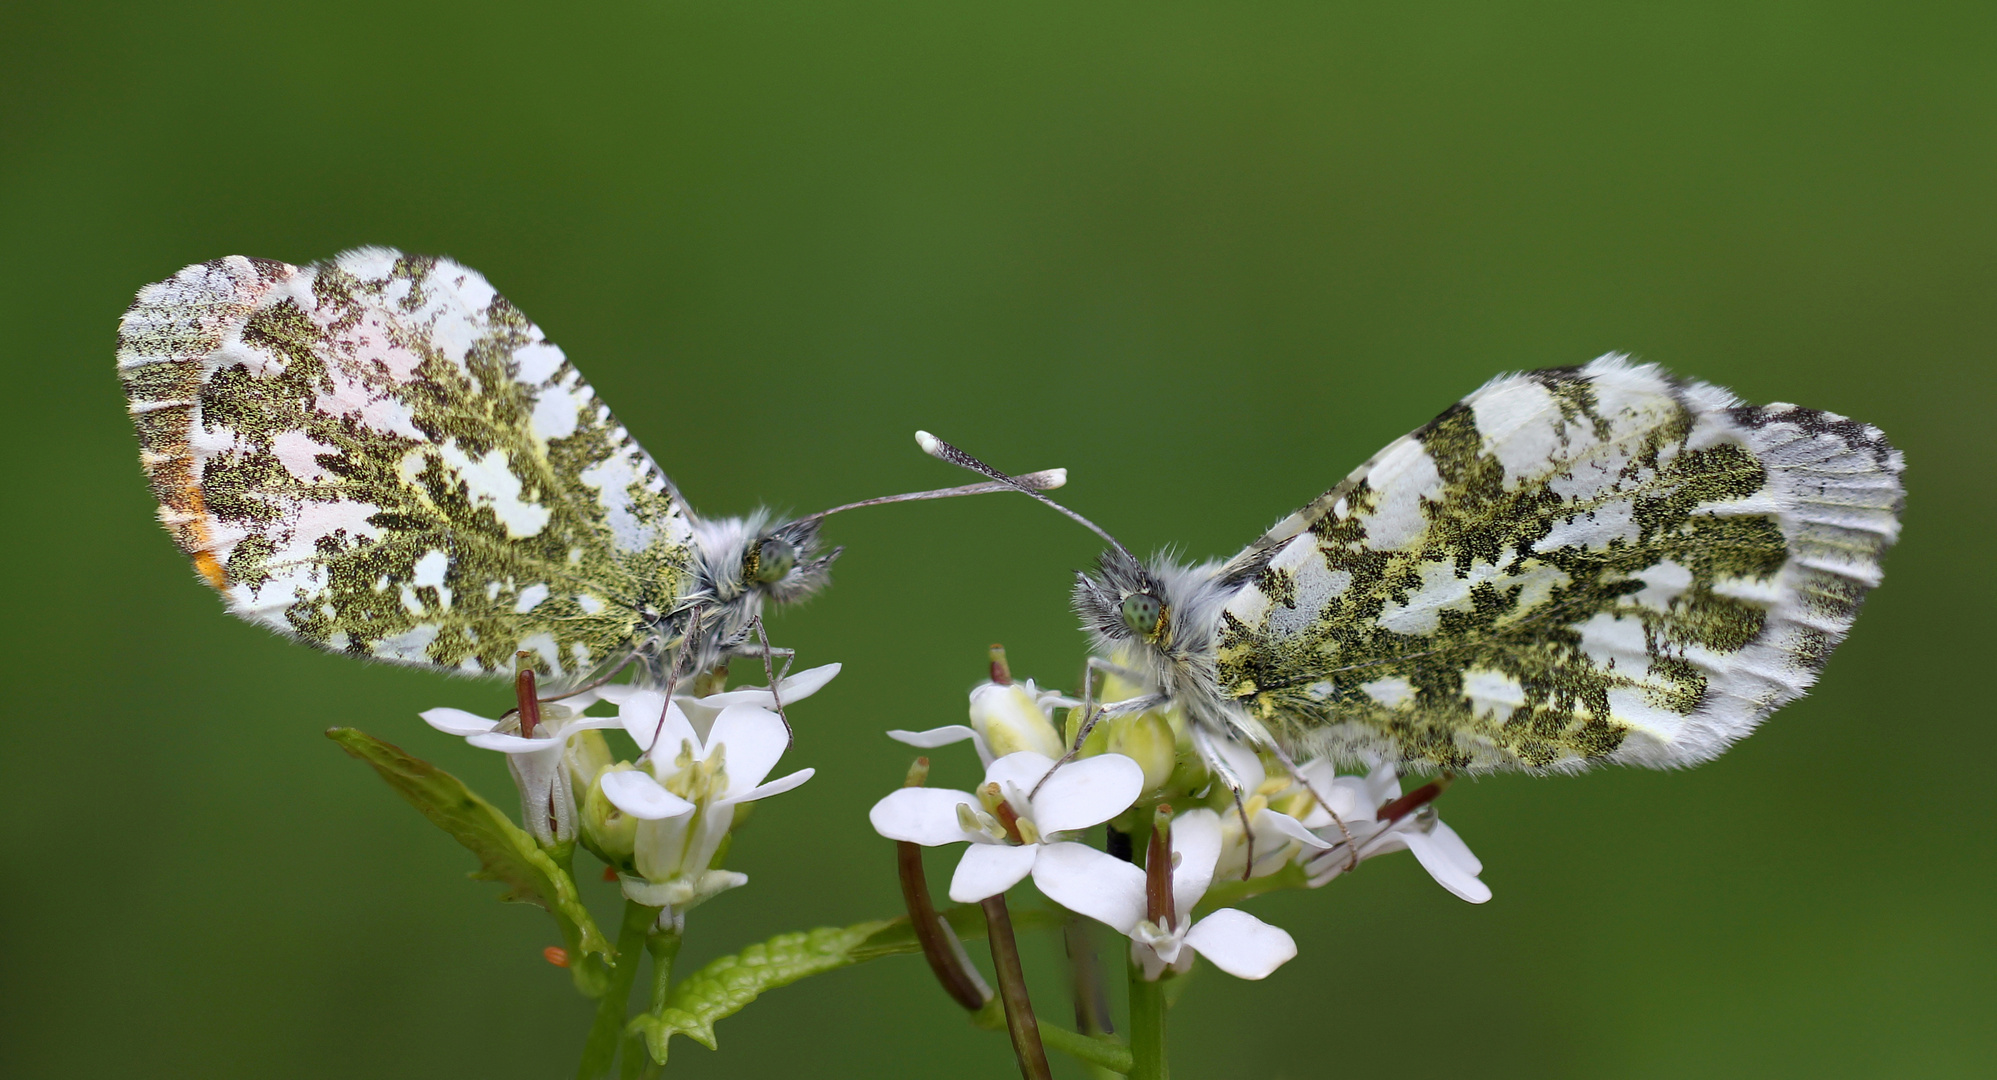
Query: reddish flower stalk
{"type": "Point", "coordinates": [939, 946]}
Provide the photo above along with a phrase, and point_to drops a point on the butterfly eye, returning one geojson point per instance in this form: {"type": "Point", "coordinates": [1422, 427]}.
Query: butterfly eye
{"type": "Point", "coordinates": [1140, 613]}
{"type": "Point", "coordinates": [770, 560]}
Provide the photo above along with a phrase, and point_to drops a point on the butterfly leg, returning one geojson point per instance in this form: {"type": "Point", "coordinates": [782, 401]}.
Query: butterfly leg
{"type": "Point", "coordinates": [616, 670]}
{"type": "Point", "coordinates": [1090, 713]}
{"type": "Point", "coordinates": [1203, 741]}
{"type": "Point", "coordinates": [1091, 716]}
{"type": "Point", "coordinates": [1289, 766]}
{"type": "Point", "coordinates": [770, 673]}
{"type": "Point", "coordinates": [677, 671]}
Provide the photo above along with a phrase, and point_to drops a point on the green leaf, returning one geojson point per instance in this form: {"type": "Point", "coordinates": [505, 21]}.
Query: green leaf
{"type": "Point", "coordinates": [728, 984]}
{"type": "Point", "coordinates": [506, 853]}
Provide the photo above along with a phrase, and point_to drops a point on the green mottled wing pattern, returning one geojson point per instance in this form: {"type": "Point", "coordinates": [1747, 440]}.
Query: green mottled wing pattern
{"type": "Point", "coordinates": [1569, 566]}
{"type": "Point", "coordinates": [378, 455]}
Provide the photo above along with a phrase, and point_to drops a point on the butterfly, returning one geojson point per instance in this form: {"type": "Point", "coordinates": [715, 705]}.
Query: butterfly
{"type": "Point", "coordinates": [1568, 567]}
{"type": "Point", "coordinates": [378, 455]}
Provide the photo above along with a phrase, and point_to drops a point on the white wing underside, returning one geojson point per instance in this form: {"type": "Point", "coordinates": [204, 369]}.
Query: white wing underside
{"type": "Point", "coordinates": [1616, 474]}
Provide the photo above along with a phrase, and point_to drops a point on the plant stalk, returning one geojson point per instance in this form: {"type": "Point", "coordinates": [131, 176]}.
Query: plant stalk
{"type": "Point", "coordinates": [664, 947]}
{"type": "Point", "coordinates": [939, 944]}
{"type": "Point", "coordinates": [1147, 1026]}
{"type": "Point", "coordinates": [1099, 1054]}
{"type": "Point", "coordinates": [1019, 1019]}
{"type": "Point", "coordinates": [600, 1052]}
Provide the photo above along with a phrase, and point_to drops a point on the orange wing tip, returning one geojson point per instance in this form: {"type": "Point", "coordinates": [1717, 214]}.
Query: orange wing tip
{"type": "Point", "coordinates": [211, 570]}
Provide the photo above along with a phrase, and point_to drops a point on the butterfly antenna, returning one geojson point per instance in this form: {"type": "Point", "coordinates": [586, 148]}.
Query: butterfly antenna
{"type": "Point", "coordinates": [943, 451]}
{"type": "Point", "coordinates": [1044, 480]}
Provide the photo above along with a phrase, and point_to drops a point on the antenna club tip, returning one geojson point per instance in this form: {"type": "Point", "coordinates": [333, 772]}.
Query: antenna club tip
{"type": "Point", "coordinates": [1056, 478]}
{"type": "Point", "coordinates": [928, 442]}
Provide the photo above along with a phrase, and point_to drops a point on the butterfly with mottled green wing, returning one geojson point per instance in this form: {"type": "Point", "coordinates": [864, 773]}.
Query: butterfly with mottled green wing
{"type": "Point", "coordinates": [1570, 566]}
{"type": "Point", "coordinates": [378, 455]}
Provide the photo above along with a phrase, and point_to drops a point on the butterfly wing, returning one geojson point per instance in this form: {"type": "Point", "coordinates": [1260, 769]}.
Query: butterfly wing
{"type": "Point", "coordinates": [1569, 566]}
{"type": "Point", "coordinates": [378, 455]}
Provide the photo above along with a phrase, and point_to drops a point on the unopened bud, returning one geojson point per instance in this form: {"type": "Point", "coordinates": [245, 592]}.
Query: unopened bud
{"type": "Point", "coordinates": [609, 832]}
{"type": "Point", "coordinates": [1011, 721]}
{"type": "Point", "coordinates": [587, 755]}
{"type": "Point", "coordinates": [1147, 739]}
{"type": "Point", "coordinates": [1098, 740]}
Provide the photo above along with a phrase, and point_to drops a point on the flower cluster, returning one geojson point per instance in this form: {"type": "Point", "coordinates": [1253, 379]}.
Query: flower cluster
{"type": "Point", "coordinates": [660, 820]}
{"type": "Point", "coordinates": [1027, 818]}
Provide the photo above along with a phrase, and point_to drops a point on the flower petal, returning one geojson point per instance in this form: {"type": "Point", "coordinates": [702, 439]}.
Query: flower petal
{"type": "Point", "coordinates": [803, 684]}
{"type": "Point", "coordinates": [589, 723]}
{"type": "Point", "coordinates": [1351, 798]}
{"type": "Point", "coordinates": [944, 736]}
{"type": "Point", "coordinates": [457, 722]}
{"type": "Point", "coordinates": [775, 787]}
{"type": "Point", "coordinates": [792, 689]}
{"type": "Point", "coordinates": [1448, 860]}
{"type": "Point", "coordinates": [755, 738]}
{"type": "Point", "coordinates": [922, 815]}
{"type": "Point", "coordinates": [1244, 763]}
{"type": "Point", "coordinates": [514, 744]}
{"type": "Point", "coordinates": [1285, 825]}
{"type": "Point", "coordinates": [637, 794]}
{"type": "Point", "coordinates": [1083, 793]}
{"type": "Point", "coordinates": [1383, 785]}
{"type": "Point", "coordinates": [990, 869]}
{"type": "Point", "coordinates": [1196, 840]}
{"type": "Point", "coordinates": [575, 703]}
{"type": "Point", "coordinates": [1022, 770]}
{"type": "Point", "coordinates": [1241, 944]}
{"type": "Point", "coordinates": [1447, 840]}
{"type": "Point", "coordinates": [1089, 882]}
{"type": "Point", "coordinates": [641, 720]}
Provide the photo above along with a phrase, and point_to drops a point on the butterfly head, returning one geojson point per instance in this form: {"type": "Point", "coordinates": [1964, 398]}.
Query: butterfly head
{"type": "Point", "coordinates": [745, 561]}
{"type": "Point", "coordinates": [784, 564]}
{"type": "Point", "coordinates": [1124, 603]}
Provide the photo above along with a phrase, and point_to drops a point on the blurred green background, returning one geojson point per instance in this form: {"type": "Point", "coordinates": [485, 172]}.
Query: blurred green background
{"type": "Point", "coordinates": [1110, 236]}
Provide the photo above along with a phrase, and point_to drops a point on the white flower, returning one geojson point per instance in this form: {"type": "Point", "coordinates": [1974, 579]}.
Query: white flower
{"type": "Point", "coordinates": [1162, 933]}
{"type": "Point", "coordinates": [1412, 826]}
{"type": "Point", "coordinates": [1278, 837]}
{"type": "Point", "coordinates": [1005, 718]}
{"type": "Point", "coordinates": [547, 793]}
{"type": "Point", "coordinates": [1010, 829]}
{"type": "Point", "coordinates": [686, 787]}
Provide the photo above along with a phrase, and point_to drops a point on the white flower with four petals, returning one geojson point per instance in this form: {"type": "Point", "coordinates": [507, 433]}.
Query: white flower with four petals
{"type": "Point", "coordinates": [547, 796]}
{"type": "Point", "coordinates": [1162, 935]}
{"type": "Point", "coordinates": [1013, 831]}
{"type": "Point", "coordinates": [1358, 801]}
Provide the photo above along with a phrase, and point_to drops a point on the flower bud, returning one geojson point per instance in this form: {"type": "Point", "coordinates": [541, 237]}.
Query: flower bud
{"type": "Point", "coordinates": [1098, 740]}
{"type": "Point", "coordinates": [1148, 739]}
{"type": "Point", "coordinates": [587, 755]}
{"type": "Point", "coordinates": [1011, 720]}
{"type": "Point", "coordinates": [608, 832]}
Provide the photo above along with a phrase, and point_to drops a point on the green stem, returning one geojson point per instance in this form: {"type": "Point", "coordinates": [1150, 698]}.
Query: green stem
{"type": "Point", "coordinates": [664, 947]}
{"type": "Point", "coordinates": [635, 1063]}
{"type": "Point", "coordinates": [600, 1052]}
{"type": "Point", "coordinates": [1012, 990]}
{"type": "Point", "coordinates": [1099, 1051]}
{"type": "Point", "coordinates": [1147, 1027]}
